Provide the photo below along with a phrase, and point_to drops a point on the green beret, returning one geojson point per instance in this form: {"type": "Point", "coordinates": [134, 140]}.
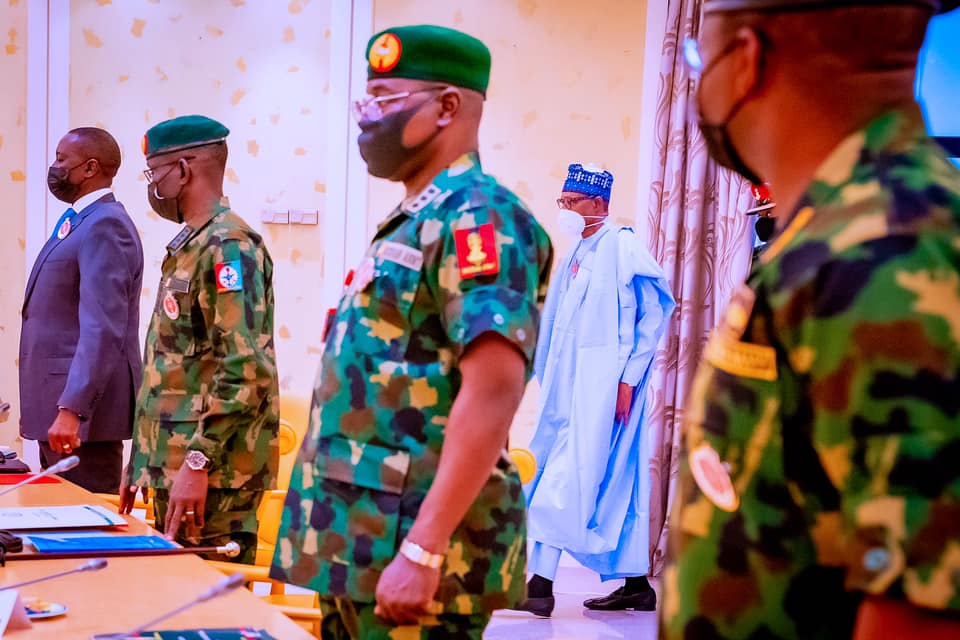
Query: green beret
{"type": "Point", "coordinates": [182, 133]}
{"type": "Point", "coordinates": [428, 52]}
{"type": "Point", "coordinates": [715, 6]}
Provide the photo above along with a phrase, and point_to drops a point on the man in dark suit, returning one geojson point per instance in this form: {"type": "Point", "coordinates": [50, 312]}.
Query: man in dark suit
{"type": "Point", "coordinates": [79, 348]}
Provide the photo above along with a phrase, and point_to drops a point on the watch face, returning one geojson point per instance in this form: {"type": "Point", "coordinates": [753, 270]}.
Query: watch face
{"type": "Point", "coordinates": [196, 460]}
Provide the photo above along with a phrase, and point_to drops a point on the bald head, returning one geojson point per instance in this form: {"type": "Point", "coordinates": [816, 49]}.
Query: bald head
{"type": "Point", "coordinates": [98, 144]}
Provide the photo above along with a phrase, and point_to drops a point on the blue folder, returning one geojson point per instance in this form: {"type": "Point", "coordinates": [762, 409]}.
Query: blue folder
{"type": "Point", "coordinates": [62, 543]}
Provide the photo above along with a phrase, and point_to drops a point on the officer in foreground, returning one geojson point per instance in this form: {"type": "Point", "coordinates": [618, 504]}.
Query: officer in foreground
{"type": "Point", "coordinates": [820, 488]}
{"type": "Point", "coordinates": [404, 510]}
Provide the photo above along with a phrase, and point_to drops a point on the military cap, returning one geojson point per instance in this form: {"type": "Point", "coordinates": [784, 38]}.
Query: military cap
{"type": "Point", "coordinates": [429, 52]}
{"type": "Point", "coordinates": [182, 133]}
{"type": "Point", "coordinates": [714, 6]}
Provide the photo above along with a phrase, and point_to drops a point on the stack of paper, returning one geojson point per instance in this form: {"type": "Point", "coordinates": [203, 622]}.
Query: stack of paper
{"type": "Point", "coordinates": [65, 517]}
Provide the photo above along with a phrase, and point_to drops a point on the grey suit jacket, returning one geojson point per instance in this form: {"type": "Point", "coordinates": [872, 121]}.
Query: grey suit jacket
{"type": "Point", "coordinates": [79, 343]}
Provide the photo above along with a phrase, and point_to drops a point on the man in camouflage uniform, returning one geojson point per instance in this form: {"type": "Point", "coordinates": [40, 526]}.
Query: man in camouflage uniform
{"type": "Point", "coordinates": [207, 414]}
{"type": "Point", "coordinates": [820, 486]}
{"type": "Point", "coordinates": [405, 512]}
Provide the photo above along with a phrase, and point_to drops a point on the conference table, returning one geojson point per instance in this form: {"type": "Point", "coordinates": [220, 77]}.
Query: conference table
{"type": "Point", "coordinates": [130, 591]}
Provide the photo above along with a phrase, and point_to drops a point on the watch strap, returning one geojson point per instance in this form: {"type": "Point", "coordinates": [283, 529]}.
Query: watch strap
{"type": "Point", "coordinates": [418, 555]}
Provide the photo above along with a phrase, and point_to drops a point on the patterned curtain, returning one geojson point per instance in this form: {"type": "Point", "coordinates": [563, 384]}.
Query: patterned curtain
{"type": "Point", "coordinates": [703, 242]}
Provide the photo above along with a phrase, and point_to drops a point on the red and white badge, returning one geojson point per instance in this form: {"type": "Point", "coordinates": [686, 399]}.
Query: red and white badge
{"type": "Point", "coordinates": [64, 229]}
{"type": "Point", "coordinates": [364, 274]}
{"type": "Point", "coordinates": [713, 478]}
{"type": "Point", "coordinates": [170, 306]}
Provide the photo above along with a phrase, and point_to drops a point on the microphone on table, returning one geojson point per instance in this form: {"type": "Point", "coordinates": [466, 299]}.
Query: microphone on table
{"type": "Point", "coordinates": [230, 550]}
{"type": "Point", "coordinates": [223, 587]}
{"type": "Point", "coordinates": [92, 565]}
{"type": "Point", "coordinates": [64, 465]}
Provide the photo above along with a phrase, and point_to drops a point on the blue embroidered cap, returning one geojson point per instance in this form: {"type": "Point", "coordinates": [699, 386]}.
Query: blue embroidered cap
{"type": "Point", "coordinates": [589, 180]}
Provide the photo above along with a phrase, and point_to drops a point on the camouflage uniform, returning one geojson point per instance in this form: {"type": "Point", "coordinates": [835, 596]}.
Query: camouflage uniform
{"type": "Point", "coordinates": [210, 378]}
{"type": "Point", "coordinates": [824, 425]}
{"type": "Point", "coordinates": [428, 286]}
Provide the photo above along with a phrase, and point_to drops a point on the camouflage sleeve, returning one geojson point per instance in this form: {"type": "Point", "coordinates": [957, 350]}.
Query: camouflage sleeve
{"type": "Point", "coordinates": [237, 304]}
{"type": "Point", "coordinates": [876, 340]}
{"type": "Point", "coordinates": [488, 270]}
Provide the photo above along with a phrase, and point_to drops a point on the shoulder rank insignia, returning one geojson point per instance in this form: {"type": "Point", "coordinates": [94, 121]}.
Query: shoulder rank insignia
{"type": "Point", "coordinates": [477, 251]}
{"type": "Point", "coordinates": [229, 276]}
{"type": "Point", "coordinates": [180, 239]}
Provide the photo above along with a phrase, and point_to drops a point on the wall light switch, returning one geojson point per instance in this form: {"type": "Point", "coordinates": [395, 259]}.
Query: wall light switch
{"type": "Point", "coordinates": [273, 216]}
{"type": "Point", "coordinates": [304, 217]}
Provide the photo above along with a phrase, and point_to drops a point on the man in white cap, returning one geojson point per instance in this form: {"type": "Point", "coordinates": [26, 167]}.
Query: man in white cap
{"type": "Point", "coordinates": [605, 313]}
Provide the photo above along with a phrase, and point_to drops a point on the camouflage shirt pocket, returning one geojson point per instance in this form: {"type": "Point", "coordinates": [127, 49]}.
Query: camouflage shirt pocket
{"type": "Point", "coordinates": [174, 419]}
{"type": "Point", "coordinates": [356, 510]}
{"type": "Point", "coordinates": [384, 305]}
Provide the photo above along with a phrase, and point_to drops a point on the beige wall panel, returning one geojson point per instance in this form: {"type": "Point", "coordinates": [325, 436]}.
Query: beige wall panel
{"type": "Point", "coordinates": [260, 67]}
{"type": "Point", "coordinates": [13, 157]}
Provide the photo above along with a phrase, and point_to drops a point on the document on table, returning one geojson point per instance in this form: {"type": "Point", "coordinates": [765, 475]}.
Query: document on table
{"type": "Point", "coordinates": [96, 541]}
{"type": "Point", "coordinates": [63, 517]}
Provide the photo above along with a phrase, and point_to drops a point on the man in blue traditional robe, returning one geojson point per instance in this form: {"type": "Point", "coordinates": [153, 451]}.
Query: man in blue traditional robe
{"type": "Point", "coordinates": [605, 313]}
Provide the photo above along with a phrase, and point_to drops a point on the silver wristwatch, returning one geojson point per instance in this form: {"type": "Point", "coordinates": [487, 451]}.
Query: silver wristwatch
{"type": "Point", "coordinates": [197, 461]}
{"type": "Point", "coordinates": [418, 555]}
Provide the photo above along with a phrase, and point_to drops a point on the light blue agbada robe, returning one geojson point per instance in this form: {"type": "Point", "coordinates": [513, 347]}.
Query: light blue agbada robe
{"type": "Point", "coordinates": [600, 326]}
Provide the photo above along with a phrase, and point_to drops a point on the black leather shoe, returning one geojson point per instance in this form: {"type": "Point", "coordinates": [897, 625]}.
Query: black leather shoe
{"type": "Point", "coordinates": [542, 607]}
{"type": "Point", "coordinates": [619, 600]}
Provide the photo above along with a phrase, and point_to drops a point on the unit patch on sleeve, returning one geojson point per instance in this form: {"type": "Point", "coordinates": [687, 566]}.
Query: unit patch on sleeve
{"type": "Point", "coordinates": [477, 251]}
{"type": "Point", "coordinates": [229, 276]}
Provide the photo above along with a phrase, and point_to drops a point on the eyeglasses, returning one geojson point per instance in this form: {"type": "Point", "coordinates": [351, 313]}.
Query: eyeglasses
{"type": "Point", "coordinates": [150, 173]}
{"type": "Point", "coordinates": [566, 203]}
{"type": "Point", "coordinates": [371, 107]}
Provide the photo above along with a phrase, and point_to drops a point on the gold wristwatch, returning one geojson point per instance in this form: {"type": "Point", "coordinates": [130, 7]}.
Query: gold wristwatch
{"type": "Point", "coordinates": [418, 555]}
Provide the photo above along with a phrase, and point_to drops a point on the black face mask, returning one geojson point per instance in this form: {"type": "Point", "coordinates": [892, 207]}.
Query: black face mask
{"type": "Point", "coordinates": [720, 146]}
{"type": "Point", "coordinates": [167, 208]}
{"type": "Point", "coordinates": [381, 142]}
{"type": "Point", "coordinates": [58, 181]}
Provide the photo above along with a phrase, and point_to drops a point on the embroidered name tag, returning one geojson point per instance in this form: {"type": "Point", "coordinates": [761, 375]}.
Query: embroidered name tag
{"type": "Point", "coordinates": [177, 285]}
{"type": "Point", "coordinates": [401, 254]}
{"type": "Point", "coordinates": [229, 276]}
{"type": "Point", "coordinates": [477, 251]}
{"type": "Point", "coordinates": [741, 358]}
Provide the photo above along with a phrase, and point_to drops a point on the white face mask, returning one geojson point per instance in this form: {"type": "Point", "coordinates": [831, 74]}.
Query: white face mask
{"type": "Point", "coordinates": [573, 224]}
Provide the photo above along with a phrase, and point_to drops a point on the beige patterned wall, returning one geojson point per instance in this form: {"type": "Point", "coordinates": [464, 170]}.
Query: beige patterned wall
{"type": "Point", "coordinates": [13, 157]}
{"type": "Point", "coordinates": [566, 86]}
{"type": "Point", "coordinates": [260, 67]}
